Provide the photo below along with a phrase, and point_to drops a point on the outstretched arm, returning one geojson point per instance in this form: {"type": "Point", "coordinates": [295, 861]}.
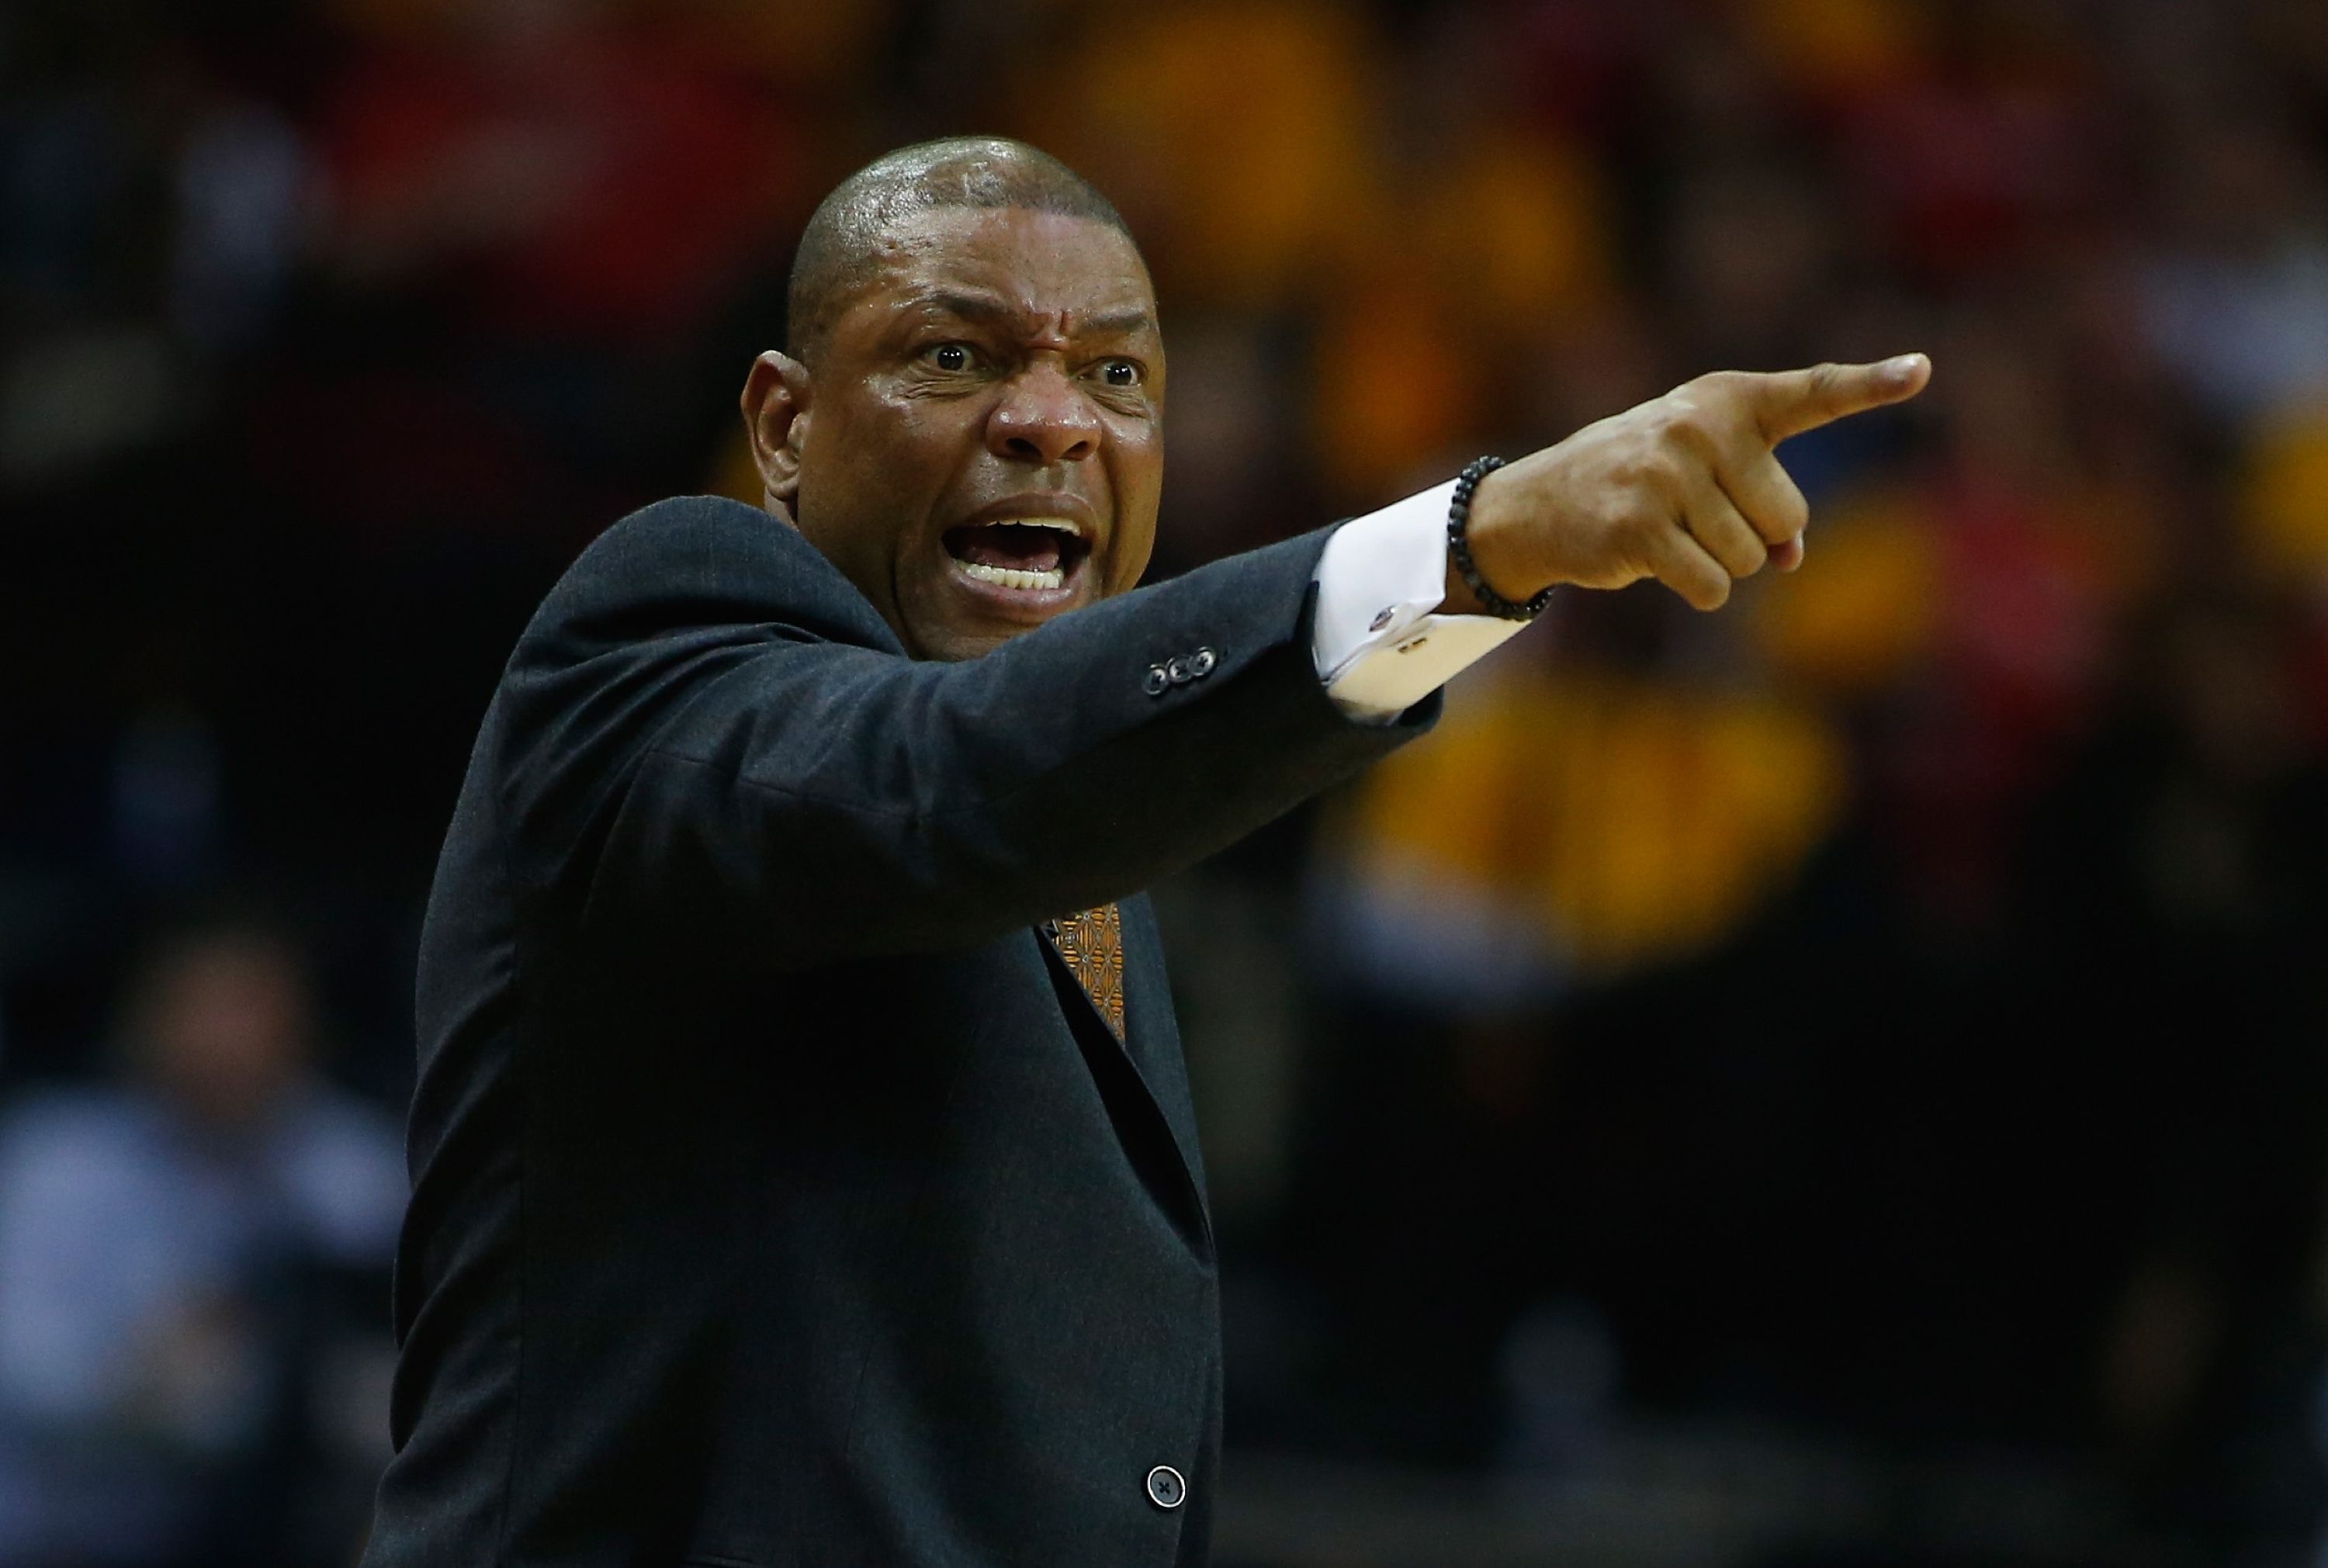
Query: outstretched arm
{"type": "Point", "coordinates": [709, 744]}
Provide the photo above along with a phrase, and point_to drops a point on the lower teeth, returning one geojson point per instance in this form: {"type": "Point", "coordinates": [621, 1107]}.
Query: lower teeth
{"type": "Point", "coordinates": [1012, 578]}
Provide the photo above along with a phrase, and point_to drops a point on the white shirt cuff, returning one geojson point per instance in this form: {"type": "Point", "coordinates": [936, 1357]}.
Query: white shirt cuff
{"type": "Point", "coordinates": [1379, 645]}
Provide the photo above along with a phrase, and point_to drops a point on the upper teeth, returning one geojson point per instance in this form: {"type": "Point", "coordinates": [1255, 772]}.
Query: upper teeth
{"type": "Point", "coordinates": [1064, 525]}
{"type": "Point", "coordinates": [1012, 576]}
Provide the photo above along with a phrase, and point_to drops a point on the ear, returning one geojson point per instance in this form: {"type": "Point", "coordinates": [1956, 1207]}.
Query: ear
{"type": "Point", "coordinates": [776, 417]}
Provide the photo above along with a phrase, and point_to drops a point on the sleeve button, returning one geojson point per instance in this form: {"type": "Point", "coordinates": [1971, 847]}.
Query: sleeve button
{"type": "Point", "coordinates": [1178, 673]}
{"type": "Point", "coordinates": [1157, 679]}
{"type": "Point", "coordinates": [1166, 1489]}
{"type": "Point", "coordinates": [1202, 662]}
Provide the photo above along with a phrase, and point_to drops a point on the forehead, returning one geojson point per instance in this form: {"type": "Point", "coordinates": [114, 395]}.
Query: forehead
{"type": "Point", "coordinates": [1037, 269]}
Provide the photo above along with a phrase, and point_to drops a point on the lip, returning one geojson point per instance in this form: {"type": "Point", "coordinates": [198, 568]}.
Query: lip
{"type": "Point", "coordinates": [1030, 604]}
{"type": "Point", "coordinates": [1020, 603]}
{"type": "Point", "coordinates": [1058, 503]}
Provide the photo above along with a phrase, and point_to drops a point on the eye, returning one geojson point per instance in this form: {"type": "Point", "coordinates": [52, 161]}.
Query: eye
{"type": "Point", "coordinates": [1122, 373]}
{"type": "Point", "coordinates": [949, 356]}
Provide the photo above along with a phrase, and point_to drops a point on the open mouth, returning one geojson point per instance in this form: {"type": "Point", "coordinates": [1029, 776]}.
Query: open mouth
{"type": "Point", "coordinates": [1028, 553]}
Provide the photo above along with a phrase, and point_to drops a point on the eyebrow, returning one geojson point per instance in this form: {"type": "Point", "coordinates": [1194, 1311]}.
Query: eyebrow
{"type": "Point", "coordinates": [986, 308]}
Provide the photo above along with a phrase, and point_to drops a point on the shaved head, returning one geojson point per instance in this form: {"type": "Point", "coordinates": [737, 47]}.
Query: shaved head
{"type": "Point", "coordinates": [840, 249]}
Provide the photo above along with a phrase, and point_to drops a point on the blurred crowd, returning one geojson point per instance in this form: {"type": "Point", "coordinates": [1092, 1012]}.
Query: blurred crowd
{"type": "Point", "coordinates": [1894, 1007]}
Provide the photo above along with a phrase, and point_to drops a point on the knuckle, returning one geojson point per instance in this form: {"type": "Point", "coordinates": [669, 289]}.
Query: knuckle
{"type": "Point", "coordinates": [1652, 477]}
{"type": "Point", "coordinates": [1674, 409]}
{"type": "Point", "coordinates": [1695, 435]}
{"type": "Point", "coordinates": [1683, 425]}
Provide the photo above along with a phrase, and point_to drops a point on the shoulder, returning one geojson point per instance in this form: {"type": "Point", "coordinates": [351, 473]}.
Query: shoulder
{"type": "Point", "coordinates": [74, 1137]}
{"type": "Point", "coordinates": [73, 1117]}
{"type": "Point", "coordinates": [697, 560]}
{"type": "Point", "coordinates": [342, 1163]}
{"type": "Point", "coordinates": [660, 610]}
{"type": "Point", "coordinates": [709, 535]}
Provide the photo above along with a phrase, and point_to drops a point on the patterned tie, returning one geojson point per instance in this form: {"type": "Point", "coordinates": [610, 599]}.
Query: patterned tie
{"type": "Point", "coordinates": [1092, 944]}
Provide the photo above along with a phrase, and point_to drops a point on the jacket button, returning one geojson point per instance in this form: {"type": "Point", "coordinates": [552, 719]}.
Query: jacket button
{"type": "Point", "coordinates": [1202, 662]}
{"type": "Point", "coordinates": [1178, 673]}
{"type": "Point", "coordinates": [1157, 679]}
{"type": "Point", "coordinates": [1166, 1489]}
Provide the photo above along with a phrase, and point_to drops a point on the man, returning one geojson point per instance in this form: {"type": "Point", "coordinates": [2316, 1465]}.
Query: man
{"type": "Point", "coordinates": [804, 1164]}
{"type": "Point", "coordinates": [161, 1240]}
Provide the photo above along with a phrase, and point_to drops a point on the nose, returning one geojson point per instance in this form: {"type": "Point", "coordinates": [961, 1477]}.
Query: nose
{"type": "Point", "coordinates": [1043, 418]}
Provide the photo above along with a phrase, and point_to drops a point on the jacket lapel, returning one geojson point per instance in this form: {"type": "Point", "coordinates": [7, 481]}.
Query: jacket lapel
{"type": "Point", "coordinates": [1148, 1058]}
{"type": "Point", "coordinates": [1152, 1033]}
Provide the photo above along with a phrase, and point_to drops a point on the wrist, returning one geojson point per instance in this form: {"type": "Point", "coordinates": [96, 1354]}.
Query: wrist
{"type": "Point", "coordinates": [1494, 533]}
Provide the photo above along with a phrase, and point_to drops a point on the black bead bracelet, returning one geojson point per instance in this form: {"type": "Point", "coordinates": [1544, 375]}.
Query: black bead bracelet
{"type": "Point", "coordinates": [1458, 545]}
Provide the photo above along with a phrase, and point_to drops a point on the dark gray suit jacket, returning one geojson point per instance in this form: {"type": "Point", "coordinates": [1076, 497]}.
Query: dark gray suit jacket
{"type": "Point", "coordinates": [779, 1199]}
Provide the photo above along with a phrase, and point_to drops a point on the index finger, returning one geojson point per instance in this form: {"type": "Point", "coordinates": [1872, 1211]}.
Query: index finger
{"type": "Point", "coordinates": [1789, 402]}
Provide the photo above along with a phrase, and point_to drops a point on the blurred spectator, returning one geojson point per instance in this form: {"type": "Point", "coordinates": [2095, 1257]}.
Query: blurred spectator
{"type": "Point", "coordinates": [2237, 293]}
{"type": "Point", "coordinates": [159, 1247]}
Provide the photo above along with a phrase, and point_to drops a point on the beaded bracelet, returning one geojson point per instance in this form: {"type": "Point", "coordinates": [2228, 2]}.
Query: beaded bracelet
{"type": "Point", "coordinates": [1458, 545]}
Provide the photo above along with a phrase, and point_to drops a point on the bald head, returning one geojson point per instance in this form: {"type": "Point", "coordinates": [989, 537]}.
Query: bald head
{"type": "Point", "coordinates": [841, 246]}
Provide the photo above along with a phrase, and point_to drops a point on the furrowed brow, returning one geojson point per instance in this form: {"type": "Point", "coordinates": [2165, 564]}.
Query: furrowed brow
{"type": "Point", "coordinates": [1117, 323]}
{"type": "Point", "coordinates": [988, 310]}
{"type": "Point", "coordinates": [984, 309]}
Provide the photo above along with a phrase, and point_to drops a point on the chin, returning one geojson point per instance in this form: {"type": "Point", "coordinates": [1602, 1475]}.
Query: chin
{"type": "Point", "coordinates": [956, 647]}
{"type": "Point", "coordinates": [967, 636]}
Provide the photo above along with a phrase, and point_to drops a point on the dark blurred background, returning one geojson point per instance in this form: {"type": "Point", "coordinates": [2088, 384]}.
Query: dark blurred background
{"type": "Point", "coordinates": [1839, 1081]}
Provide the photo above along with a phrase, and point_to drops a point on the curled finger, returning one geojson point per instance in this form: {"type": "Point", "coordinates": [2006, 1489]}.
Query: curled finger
{"type": "Point", "coordinates": [1681, 562]}
{"type": "Point", "coordinates": [1711, 517]}
{"type": "Point", "coordinates": [1765, 494]}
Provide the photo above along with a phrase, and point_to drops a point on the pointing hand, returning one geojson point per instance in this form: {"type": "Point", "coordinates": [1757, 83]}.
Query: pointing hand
{"type": "Point", "coordinates": [1686, 488]}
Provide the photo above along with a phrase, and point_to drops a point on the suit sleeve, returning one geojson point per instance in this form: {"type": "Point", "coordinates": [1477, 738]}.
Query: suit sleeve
{"type": "Point", "coordinates": [736, 770]}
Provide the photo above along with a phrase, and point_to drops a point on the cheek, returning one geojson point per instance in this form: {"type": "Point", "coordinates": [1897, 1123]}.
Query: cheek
{"type": "Point", "coordinates": [1137, 473]}
{"type": "Point", "coordinates": [879, 441]}
{"type": "Point", "coordinates": [871, 469]}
